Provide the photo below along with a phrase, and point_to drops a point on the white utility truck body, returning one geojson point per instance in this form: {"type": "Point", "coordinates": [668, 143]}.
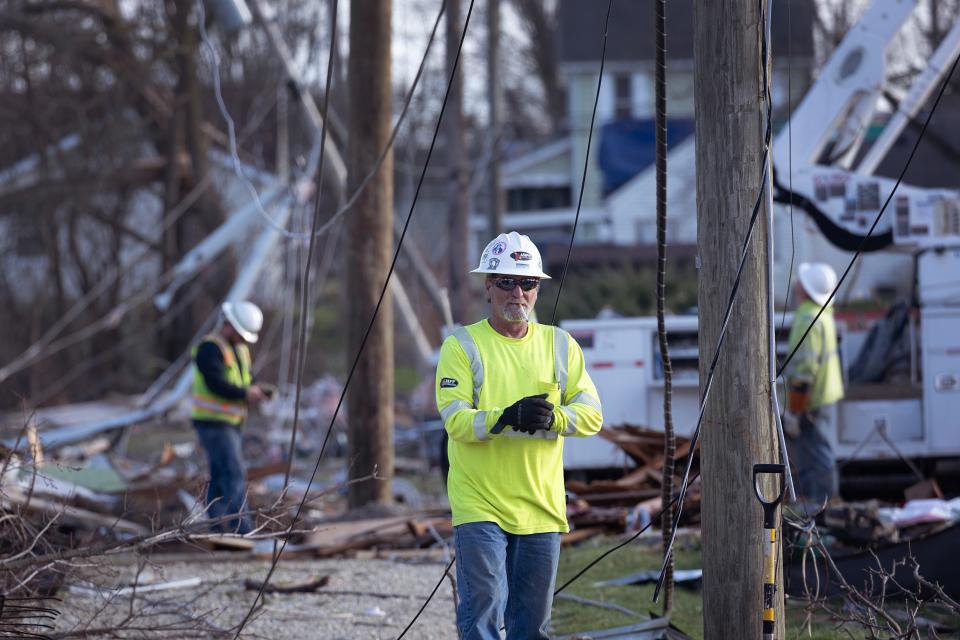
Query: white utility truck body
{"type": "Point", "coordinates": [915, 248]}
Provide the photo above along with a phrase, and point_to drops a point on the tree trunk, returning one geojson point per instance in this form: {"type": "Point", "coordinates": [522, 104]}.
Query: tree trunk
{"type": "Point", "coordinates": [370, 237]}
{"type": "Point", "coordinates": [736, 431]}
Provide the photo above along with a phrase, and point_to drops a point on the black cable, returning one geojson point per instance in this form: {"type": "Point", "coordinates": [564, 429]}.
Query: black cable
{"type": "Point", "coordinates": [793, 246]}
{"type": "Point", "coordinates": [302, 339]}
{"type": "Point", "coordinates": [876, 220]}
{"type": "Point", "coordinates": [606, 553]}
{"type": "Point", "coordinates": [350, 202]}
{"type": "Point", "coordinates": [429, 598]}
{"type": "Point", "coordinates": [603, 56]}
{"type": "Point", "coordinates": [694, 441]}
{"type": "Point", "coordinates": [305, 290]}
{"type": "Point", "coordinates": [366, 335]}
{"type": "Point", "coordinates": [669, 437]}
{"type": "Point", "coordinates": [586, 161]}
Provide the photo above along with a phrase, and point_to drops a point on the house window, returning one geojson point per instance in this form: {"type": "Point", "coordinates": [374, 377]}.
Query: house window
{"type": "Point", "coordinates": [538, 198]}
{"type": "Point", "coordinates": [622, 96]}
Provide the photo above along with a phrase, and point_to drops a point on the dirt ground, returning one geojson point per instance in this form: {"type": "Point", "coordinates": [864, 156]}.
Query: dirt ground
{"type": "Point", "coordinates": [365, 599]}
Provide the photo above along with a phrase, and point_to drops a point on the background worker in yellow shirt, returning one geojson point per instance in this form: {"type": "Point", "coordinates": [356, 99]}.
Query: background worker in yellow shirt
{"type": "Point", "coordinates": [814, 385]}
{"type": "Point", "coordinates": [510, 391]}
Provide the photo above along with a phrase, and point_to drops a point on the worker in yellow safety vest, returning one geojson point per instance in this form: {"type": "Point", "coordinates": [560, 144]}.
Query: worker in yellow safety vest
{"type": "Point", "coordinates": [223, 390]}
{"type": "Point", "coordinates": [814, 384]}
{"type": "Point", "coordinates": [510, 391]}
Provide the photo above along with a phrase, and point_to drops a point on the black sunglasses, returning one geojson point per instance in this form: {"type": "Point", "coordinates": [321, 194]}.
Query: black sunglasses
{"type": "Point", "coordinates": [508, 284]}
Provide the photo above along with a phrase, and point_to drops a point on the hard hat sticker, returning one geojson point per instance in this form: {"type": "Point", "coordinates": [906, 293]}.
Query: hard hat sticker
{"type": "Point", "coordinates": [499, 248]}
{"type": "Point", "coordinates": [494, 263]}
{"type": "Point", "coordinates": [521, 255]}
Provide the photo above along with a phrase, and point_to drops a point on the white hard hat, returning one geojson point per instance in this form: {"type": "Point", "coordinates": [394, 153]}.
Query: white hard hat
{"type": "Point", "coordinates": [511, 254]}
{"type": "Point", "coordinates": [245, 317]}
{"type": "Point", "coordinates": [818, 280]}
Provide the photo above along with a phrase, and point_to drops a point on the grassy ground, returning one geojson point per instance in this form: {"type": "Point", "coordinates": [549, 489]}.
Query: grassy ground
{"type": "Point", "coordinates": [642, 554]}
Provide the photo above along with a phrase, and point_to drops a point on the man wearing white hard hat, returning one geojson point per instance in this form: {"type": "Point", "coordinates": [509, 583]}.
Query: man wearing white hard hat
{"type": "Point", "coordinates": [814, 384]}
{"type": "Point", "coordinates": [223, 390]}
{"type": "Point", "coordinates": [510, 391]}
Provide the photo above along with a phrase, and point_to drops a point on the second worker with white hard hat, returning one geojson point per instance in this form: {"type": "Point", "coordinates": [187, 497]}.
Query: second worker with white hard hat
{"type": "Point", "coordinates": [814, 385]}
{"type": "Point", "coordinates": [510, 391]}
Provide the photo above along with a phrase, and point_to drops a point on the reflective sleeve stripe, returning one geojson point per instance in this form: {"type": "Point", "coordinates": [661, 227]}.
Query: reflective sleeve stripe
{"type": "Point", "coordinates": [561, 352]}
{"type": "Point", "coordinates": [210, 405]}
{"type": "Point", "coordinates": [456, 405]}
{"type": "Point", "coordinates": [537, 435]}
{"type": "Point", "coordinates": [571, 414]}
{"type": "Point", "coordinates": [480, 426]}
{"type": "Point", "coordinates": [586, 398]}
{"type": "Point", "coordinates": [469, 347]}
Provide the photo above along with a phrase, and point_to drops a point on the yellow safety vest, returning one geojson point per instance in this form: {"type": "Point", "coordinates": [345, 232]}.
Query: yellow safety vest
{"type": "Point", "coordinates": [209, 406]}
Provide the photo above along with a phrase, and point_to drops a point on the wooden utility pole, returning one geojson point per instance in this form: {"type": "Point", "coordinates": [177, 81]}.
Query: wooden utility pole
{"type": "Point", "coordinates": [456, 163]}
{"type": "Point", "coordinates": [736, 431]}
{"type": "Point", "coordinates": [494, 96]}
{"type": "Point", "coordinates": [370, 241]}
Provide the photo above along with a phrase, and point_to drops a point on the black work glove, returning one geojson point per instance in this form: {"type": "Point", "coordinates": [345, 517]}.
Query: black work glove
{"type": "Point", "coordinates": [528, 415]}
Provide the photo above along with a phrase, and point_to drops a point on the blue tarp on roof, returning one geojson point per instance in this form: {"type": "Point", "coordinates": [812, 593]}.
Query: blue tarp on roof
{"type": "Point", "coordinates": [627, 147]}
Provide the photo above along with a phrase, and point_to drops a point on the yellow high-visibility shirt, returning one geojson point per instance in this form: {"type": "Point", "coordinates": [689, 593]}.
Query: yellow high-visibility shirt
{"type": "Point", "coordinates": [817, 361]}
{"type": "Point", "coordinates": [512, 479]}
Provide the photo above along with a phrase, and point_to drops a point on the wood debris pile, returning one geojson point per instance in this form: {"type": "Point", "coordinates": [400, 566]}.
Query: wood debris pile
{"type": "Point", "coordinates": [629, 502]}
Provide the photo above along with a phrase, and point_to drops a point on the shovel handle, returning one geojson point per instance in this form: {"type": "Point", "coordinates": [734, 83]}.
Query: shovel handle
{"type": "Point", "coordinates": [769, 545]}
{"type": "Point", "coordinates": [769, 506]}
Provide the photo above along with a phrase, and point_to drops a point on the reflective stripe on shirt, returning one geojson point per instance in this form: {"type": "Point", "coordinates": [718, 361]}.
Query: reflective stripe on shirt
{"type": "Point", "coordinates": [469, 347]}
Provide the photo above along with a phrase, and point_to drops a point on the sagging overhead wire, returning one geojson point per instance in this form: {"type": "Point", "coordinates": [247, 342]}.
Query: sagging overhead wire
{"type": "Point", "coordinates": [876, 220]}
{"type": "Point", "coordinates": [45, 347]}
{"type": "Point", "coordinates": [351, 201]}
{"type": "Point", "coordinates": [301, 348]}
{"type": "Point", "coordinates": [708, 385]}
{"type": "Point", "coordinates": [586, 161]}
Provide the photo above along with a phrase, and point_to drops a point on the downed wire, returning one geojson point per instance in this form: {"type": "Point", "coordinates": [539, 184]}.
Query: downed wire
{"type": "Point", "coordinates": [593, 116]}
{"type": "Point", "coordinates": [366, 335]}
{"type": "Point", "coordinates": [606, 553]}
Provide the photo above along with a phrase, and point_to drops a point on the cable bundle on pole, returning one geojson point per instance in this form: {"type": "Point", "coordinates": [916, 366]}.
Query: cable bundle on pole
{"type": "Point", "coordinates": [669, 438]}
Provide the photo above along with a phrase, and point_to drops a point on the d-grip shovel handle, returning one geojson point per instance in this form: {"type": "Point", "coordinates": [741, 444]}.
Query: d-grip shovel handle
{"type": "Point", "coordinates": [769, 506]}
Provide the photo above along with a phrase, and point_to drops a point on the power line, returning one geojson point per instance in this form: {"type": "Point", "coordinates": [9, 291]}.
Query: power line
{"type": "Point", "coordinates": [586, 161]}
{"type": "Point", "coordinates": [695, 439]}
{"type": "Point", "coordinates": [366, 335]}
{"type": "Point", "coordinates": [876, 220]}
{"type": "Point", "coordinates": [40, 349]}
{"type": "Point", "coordinates": [302, 344]}
{"type": "Point", "coordinates": [215, 59]}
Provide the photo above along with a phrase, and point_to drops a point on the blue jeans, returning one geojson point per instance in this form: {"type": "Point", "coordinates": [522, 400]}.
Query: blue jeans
{"type": "Point", "coordinates": [228, 475]}
{"type": "Point", "coordinates": [504, 578]}
{"type": "Point", "coordinates": [812, 457]}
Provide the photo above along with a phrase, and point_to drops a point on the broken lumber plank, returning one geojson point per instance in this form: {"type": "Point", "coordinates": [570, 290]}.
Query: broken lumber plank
{"type": "Point", "coordinates": [310, 586]}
